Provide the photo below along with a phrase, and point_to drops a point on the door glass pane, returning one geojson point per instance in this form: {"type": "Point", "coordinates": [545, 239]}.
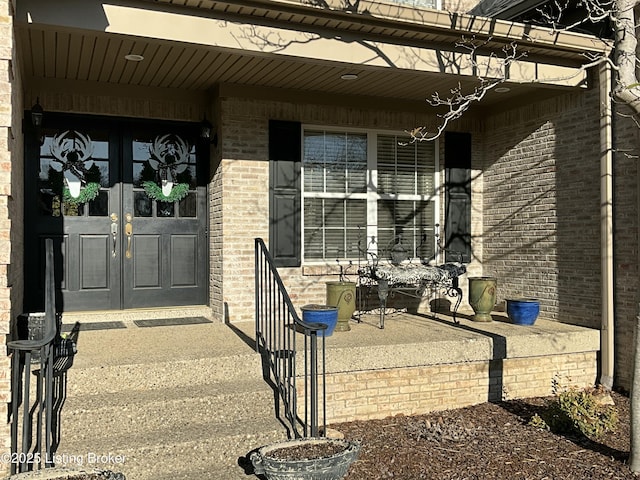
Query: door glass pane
{"type": "Point", "coordinates": [73, 209]}
{"type": "Point", "coordinates": [99, 207]}
{"type": "Point", "coordinates": [164, 209]}
{"type": "Point", "coordinates": [74, 171]}
{"type": "Point", "coordinates": [142, 205]}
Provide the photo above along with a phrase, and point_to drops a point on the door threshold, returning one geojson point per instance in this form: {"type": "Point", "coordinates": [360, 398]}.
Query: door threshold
{"type": "Point", "coordinates": [129, 316]}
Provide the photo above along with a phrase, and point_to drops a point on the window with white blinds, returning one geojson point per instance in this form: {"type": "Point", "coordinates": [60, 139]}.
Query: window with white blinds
{"type": "Point", "coordinates": [335, 186]}
{"type": "Point", "coordinates": [406, 187]}
{"type": "Point", "coordinates": [366, 182]}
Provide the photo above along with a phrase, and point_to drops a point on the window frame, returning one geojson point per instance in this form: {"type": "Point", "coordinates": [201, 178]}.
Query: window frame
{"type": "Point", "coordinates": [371, 195]}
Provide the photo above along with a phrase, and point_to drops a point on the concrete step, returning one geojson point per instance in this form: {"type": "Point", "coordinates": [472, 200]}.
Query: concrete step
{"type": "Point", "coordinates": [190, 437]}
{"type": "Point", "coordinates": [162, 374]}
{"type": "Point", "coordinates": [203, 457]}
{"type": "Point", "coordinates": [134, 416]}
{"type": "Point", "coordinates": [163, 408]}
{"type": "Point", "coordinates": [168, 393]}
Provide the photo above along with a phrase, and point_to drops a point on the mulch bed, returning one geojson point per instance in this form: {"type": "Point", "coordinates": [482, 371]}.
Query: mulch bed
{"type": "Point", "coordinates": [488, 441]}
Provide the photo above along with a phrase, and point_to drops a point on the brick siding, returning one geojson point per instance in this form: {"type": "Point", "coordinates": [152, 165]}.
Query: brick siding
{"type": "Point", "coordinates": [535, 213]}
{"type": "Point", "coordinates": [375, 394]}
{"type": "Point", "coordinates": [542, 206]}
{"type": "Point", "coordinates": [246, 189]}
{"type": "Point", "coordinates": [11, 209]}
{"type": "Point", "coordinates": [626, 181]}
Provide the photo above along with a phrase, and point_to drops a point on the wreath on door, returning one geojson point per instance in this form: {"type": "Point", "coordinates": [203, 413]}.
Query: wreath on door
{"type": "Point", "coordinates": [72, 151]}
{"type": "Point", "coordinates": [168, 157]}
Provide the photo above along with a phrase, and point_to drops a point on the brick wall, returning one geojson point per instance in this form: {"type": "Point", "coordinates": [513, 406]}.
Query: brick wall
{"type": "Point", "coordinates": [542, 206]}
{"type": "Point", "coordinates": [416, 390]}
{"type": "Point", "coordinates": [535, 200]}
{"type": "Point", "coordinates": [245, 184]}
{"type": "Point", "coordinates": [542, 214]}
{"type": "Point", "coordinates": [11, 208]}
{"type": "Point", "coordinates": [626, 182]}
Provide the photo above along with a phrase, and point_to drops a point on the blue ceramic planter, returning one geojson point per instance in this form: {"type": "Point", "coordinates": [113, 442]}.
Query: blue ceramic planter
{"type": "Point", "coordinates": [321, 314]}
{"type": "Point", "coordinates": [523, 311]}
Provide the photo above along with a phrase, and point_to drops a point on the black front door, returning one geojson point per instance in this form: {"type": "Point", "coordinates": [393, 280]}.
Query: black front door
{"type": "Point", "coordinates": [125, 202]}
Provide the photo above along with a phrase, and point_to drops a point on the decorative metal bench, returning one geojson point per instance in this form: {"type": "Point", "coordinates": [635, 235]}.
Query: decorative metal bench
{"type": "Point", "coordinates": [395, 270]}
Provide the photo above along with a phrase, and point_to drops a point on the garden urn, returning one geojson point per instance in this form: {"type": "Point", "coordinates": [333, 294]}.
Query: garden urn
{"type": "Point", "coordinates": [482, 297]}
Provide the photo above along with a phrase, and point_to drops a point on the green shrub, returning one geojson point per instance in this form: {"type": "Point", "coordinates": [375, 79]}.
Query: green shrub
{"type": "Point", "coordinates": [577, 411]}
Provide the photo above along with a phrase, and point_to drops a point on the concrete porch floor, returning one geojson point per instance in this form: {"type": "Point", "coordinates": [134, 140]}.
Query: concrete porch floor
{"type": "Point", "coordinates": [408, 340]}
{"type": "Point", "coordinates": [414, 365]}
{"type": "Point", "coordinates": [179, 401]}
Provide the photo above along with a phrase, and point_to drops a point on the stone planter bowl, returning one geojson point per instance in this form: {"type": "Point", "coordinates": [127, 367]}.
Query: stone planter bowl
{"type": "Point", "coordinates": [334, 467]}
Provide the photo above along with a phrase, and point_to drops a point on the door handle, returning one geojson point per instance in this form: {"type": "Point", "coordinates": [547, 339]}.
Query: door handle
{"type": "Point", "coordinates": [128, 230]}
{"type": "Point", "coordinates": [114, 234]}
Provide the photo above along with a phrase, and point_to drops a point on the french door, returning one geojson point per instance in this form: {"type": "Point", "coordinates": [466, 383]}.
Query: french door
{"type": "Point", "coordinates": [125, 202]}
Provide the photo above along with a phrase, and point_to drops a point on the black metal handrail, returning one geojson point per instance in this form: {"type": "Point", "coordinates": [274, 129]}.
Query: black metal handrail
{"type": "Point", "coordinates": [30, 453]}
{"type": "Point", "coordinates": [277, 327]}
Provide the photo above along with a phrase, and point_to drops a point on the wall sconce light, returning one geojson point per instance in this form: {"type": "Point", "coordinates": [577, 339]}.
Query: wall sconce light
{"type": "Point", "coordinates": [206, 131]}
{"type": "Point", "coordinates": [37, 114]}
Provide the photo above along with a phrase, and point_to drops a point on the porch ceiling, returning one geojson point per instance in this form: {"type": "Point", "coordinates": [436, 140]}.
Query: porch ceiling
{"type": "Point", "coordinates": [60, 50]}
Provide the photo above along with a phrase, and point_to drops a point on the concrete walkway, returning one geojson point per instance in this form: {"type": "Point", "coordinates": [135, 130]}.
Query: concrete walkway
{"type": "Point", "coordinates": [166, 402]}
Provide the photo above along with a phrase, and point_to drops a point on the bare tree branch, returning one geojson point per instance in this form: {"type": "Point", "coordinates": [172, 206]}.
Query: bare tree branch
{"type": "Point", "coordinates": [555, 15]}
{"type": "Point", "coordinates": [495, 71]}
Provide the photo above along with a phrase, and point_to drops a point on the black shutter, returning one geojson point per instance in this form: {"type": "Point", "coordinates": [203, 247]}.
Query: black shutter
{"type": "Point", "coordinates": [285, 147]}
{"type": "Point", "coordinates": [457, 154]}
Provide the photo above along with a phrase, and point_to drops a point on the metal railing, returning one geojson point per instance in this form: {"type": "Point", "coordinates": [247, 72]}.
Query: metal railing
{"type": "Point", "coordinates": [278, 326]}
{"type": "Point", "coordinates": [35, 448]}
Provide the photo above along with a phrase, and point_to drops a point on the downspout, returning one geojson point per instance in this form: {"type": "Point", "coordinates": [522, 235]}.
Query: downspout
{"type": "Point", "coordinates": [606, 227]}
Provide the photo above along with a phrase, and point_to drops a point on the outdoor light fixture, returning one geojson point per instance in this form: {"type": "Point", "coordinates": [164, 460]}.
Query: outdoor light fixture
{"type": "Point", "coordinates": [349, 76]}
{"type": "Point", "coordinates": [37, 113]}
{"type": "Point", "coordinates": [206, 130]}
{"type": "Point", "coordinates": [133, 57]}
{"type": "Point", "coordinates": [502, 89]}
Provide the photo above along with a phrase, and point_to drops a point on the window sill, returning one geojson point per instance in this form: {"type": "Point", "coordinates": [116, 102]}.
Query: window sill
{"type": "Point", "coordinates": [320, 270]}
